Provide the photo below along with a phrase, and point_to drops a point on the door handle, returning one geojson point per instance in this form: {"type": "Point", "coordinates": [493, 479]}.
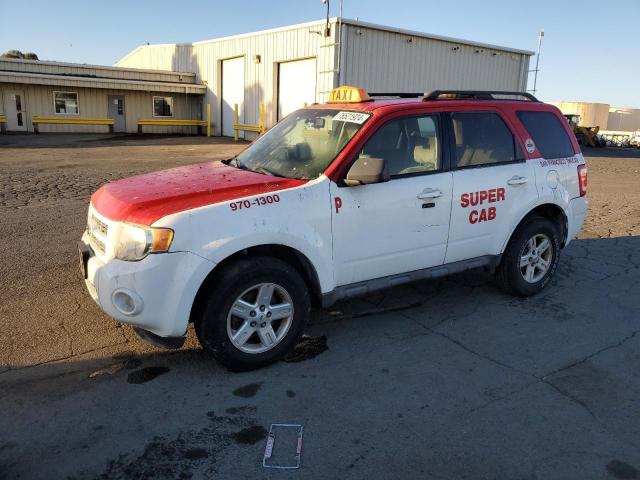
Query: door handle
{"type": "Point", "coordinates": [516, 180]}
{"type": "Point", "coordinates": [429, 194]}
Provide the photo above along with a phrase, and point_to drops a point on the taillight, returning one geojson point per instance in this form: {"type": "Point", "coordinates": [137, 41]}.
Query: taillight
{"type": "Point", "coordinates": [582, 179]}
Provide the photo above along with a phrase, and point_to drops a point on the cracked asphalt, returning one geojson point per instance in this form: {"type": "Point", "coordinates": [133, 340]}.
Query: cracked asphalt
{"type": "Point", "coordinates": [438, 380]}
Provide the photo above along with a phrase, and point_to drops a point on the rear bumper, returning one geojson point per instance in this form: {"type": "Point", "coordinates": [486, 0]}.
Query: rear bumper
{"type": "Point", "coordinates": [575, 218]}
{"type": "Point", "coordinates": [155, 294]}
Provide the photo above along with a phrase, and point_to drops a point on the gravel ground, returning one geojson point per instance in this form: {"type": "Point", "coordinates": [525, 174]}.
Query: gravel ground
{"type": "Point", "coordinates": [446, 379]}
{"type": "Point", "coordinates": [45, 313]}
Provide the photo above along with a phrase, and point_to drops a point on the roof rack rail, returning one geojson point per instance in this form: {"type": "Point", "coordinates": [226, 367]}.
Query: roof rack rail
{"type": "Point", "coordinates": [397, 95]}
{"type": "Point", "coordinates": [475, 95]}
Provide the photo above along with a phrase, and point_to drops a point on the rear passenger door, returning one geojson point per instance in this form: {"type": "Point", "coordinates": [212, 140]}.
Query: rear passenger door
{"type": "Point", "coordinates": [493, 184]}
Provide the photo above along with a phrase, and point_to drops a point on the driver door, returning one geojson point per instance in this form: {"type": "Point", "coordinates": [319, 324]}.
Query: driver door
{"type": "Point", "coordinates": [401, 225]}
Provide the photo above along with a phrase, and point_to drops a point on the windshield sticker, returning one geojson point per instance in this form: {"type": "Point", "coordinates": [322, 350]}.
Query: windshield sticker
{"type": "Point", "coordinates": [351, 117]}
{"type": "Point", "coordinates": [529, 145]}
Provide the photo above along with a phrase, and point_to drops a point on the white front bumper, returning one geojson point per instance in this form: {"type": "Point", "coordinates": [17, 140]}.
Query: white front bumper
{"type": "Point", "coordinates": [164, 285]}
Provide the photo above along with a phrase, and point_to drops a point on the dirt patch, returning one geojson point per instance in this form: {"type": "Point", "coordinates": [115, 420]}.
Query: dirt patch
{"type": "Point", "coordinates": [248, 390]}
{"type": "Point", "coordinates": [241, 410]}
{"type": "Point", "coordinates": [622, 470]}
{"type": "Point", "coordinates": [191, 454]}
{"type": "Point", "coordinates": [250, 435]}
{"type": "Point", "coordinates": [307, 347]}
{"type": "Point", "coordinates": [146, 374]}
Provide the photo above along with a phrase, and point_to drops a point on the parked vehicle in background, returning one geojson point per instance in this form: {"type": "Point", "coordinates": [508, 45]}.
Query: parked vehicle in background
{"type": "Point", "coordinates": [336, 200]}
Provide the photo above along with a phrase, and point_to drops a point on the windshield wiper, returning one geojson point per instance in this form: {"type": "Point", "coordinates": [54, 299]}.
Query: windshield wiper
{"type": "Point", "coordinates": [234, 162]}
{"type": "Point", "coordinates": [266, 171]}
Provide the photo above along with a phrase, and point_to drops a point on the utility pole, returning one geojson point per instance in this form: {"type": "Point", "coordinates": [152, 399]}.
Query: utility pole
{"type": "Point", "coordinates": [327, 30]}
{"type": "Point", "coordinates": [537, 69]}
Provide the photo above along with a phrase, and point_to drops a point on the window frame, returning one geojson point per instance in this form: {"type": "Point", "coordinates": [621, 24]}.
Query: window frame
{"type": "Point", "coordinates": [441, 135]}
{"type": "Point", "coordinates": [55, 92]}
{"type": "Point", "coordinates": [153, 106]}
{"type": "Point", "coordinates": [517, 144]}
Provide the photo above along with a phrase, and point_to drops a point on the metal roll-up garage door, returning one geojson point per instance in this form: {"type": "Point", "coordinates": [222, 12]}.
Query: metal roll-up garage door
{"type": "Point", "coordinates": [232, 93]}
{"type": "Point", "coordinates": [296, 85]}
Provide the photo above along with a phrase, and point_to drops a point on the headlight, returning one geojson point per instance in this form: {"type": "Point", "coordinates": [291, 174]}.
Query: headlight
{"type": "Point", "coordinates": [133, 242]}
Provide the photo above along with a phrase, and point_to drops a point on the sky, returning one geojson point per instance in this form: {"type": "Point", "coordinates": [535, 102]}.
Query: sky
{"type": "Point", "coordinates": [590, 52]}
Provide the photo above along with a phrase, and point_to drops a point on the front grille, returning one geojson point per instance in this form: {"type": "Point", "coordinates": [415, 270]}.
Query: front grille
{"type": "Point", "coordinates": [97, 231]}
{"type": "Point", "coordinates": [96, 243]}
{"type": "Point", "coordinates": [102, 227]}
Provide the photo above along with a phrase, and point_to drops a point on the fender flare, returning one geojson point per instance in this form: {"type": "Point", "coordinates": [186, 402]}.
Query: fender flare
{"type": "Point", "coordinates": [532, 210]}
{"type": "Point", "coordinates": [226, 248]}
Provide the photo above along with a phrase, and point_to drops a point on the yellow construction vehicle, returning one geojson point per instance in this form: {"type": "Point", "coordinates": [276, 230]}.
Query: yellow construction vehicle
{"type": "Point", "coordinates": [586, 136]}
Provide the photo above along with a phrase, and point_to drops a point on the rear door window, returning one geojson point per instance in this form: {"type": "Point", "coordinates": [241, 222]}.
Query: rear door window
{"type": "Point", "coordinates": [548, 133]}
{"type": "Point", "coordinates": [482, 138]}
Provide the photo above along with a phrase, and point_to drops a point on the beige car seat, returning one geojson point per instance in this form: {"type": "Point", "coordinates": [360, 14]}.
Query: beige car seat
{"type": "Point", "coordinates": [426, 154]}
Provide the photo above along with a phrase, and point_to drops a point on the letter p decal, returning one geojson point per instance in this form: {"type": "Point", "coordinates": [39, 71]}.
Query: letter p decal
{"type": "Point", "coordinates": [338, 204]}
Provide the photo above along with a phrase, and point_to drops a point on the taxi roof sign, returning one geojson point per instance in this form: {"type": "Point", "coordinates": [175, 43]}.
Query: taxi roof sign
{"type": "Point", "coordinates": [348, 94]}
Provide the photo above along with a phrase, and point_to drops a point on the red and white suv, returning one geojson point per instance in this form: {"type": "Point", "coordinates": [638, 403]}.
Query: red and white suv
{"type": "Point", "coordinates": [334, 201]}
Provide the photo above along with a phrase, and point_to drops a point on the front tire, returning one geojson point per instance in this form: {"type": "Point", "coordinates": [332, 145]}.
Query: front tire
{"type": "Point", "coordinates": [255, 312]}
{"type": "Point", "coordinates": [530, 259]}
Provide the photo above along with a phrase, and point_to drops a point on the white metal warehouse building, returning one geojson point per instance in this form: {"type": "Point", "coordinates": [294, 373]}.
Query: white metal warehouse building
{"type": "Point", "coordinates": [284, 68]}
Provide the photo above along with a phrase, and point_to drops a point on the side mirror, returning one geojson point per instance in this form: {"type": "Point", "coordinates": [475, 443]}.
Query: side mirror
{"type": "Point", "coordinates": [367, 170]}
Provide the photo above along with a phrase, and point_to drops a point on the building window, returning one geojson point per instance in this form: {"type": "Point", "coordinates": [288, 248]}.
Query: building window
{"type": "Point", "coordinates": [163, 106]}
{"type": "Point", "coordinates": [65, 103]}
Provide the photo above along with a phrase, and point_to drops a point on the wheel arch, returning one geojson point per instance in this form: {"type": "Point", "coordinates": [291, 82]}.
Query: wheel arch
{"type": "Point", "coordinates": [551, 211]}
{"type": "Point", "coordinates": [288, 254]}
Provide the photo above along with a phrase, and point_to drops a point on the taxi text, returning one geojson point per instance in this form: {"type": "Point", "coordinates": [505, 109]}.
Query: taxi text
{"type": "Point", "coordinates": [476, 199]}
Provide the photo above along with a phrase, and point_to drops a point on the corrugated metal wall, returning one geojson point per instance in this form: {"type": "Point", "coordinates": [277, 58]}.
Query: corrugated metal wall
{"type": "Point", "coordinates": [591, 114]}
{"type": "Point", "coordinates": [386, 61]}
{"type": "Point", "coordinates": [92, 103]}
{"type": "Point", "coordinates": [279, 45]}
{"type": "Point", "coordinates": [624, 119]}
{"type": "Point", "coordinates": [378, 60]}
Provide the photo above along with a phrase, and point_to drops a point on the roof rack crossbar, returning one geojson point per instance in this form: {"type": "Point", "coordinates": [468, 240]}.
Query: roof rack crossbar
{"type": "Point", "coordinates": [397, 95]}
{"type": "Point", "coordinates": [475, 95]}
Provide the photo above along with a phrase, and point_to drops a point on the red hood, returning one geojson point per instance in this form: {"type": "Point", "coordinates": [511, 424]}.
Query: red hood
{"type": "Point", "coordinates": [144, 199]}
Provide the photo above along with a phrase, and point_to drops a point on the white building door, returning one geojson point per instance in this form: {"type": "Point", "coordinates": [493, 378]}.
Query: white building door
{"type": "Point", "coordinates": [232, 94]}
{"type": "Point", "coordinates": [296, 85]}
{"type": "Point", "coordinates": [15, 109]}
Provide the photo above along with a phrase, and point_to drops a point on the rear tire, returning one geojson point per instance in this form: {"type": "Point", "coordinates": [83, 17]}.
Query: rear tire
{"type": "Point", "coordinates": [530, 259]}
{"type": "Point", "coordinates": [255, 312]}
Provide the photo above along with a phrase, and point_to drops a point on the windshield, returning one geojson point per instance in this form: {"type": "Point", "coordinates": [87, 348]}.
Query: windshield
{"type": "Point", "coordinates": [303, 144]}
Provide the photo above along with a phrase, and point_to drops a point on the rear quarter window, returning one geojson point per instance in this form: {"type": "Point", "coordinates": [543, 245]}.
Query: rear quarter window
{"type": "Point", "coordinates": [548, 133]}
